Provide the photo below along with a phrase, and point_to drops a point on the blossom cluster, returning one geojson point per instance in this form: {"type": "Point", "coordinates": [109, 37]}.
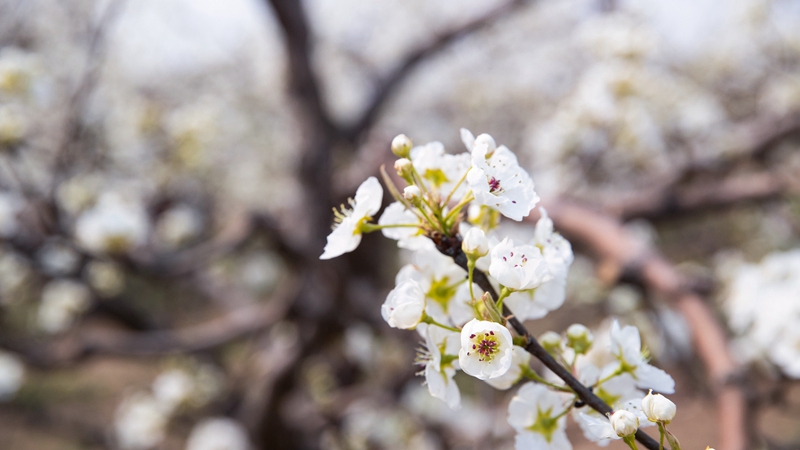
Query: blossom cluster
{"type": "Point", "coordinates": [762, 302]}
{"type": "Point", "coordinates": [449, 214]}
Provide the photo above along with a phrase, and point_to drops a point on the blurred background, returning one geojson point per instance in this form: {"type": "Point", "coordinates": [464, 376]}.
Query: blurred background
{"type": "Point", "coordinates": [168, 168]}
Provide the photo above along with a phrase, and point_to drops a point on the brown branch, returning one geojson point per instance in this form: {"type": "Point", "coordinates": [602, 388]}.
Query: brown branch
{"type": "Point", "coordinates": [452, 247]}
{"type": "Point", "coordinates": [705, 196]}
{"type": "Point", "coordinates": [395, 79]}
{"type": "Point", "coordinates": [235, 324]}
{"type": "Point", "coordinates": [609, 241]}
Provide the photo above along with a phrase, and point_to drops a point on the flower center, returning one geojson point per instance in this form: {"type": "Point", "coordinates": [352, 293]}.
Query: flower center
{"type": "Point", "coordinates": [486, 345]}
{"type": "Point", "coordinates": [494, 186]}
{"type": "Point", "coordinates": [518, 261]}
{"type": "Point", "coordinates": [545, 424]}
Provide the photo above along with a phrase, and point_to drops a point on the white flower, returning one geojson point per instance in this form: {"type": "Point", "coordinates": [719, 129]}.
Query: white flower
{"type": "Point", "coordinates": [62, 300]}
{"type": "Point", "coordinates": [10, 205]}
{"type": "Point", "coordinates": [140, 422]}
{"type": "Point", "coordinates": [114, 225]}
{"type": "Point", "coordinates": [475, 243]}
{"type": "Point", "coordinates": [404, 306]}
{"type": "Point", "coordinates": [626, 346]}
{"type": "Point", "coordinates": [486, 349]}
{"type": "Point", "coordinates": [440, 170]}
{"type": "Point", "coordinates": [598, 428]}
{"type": "Point", "coordinates": [658, 408]}
{"type": "Point", "coordinates": [444, 284]}
{"type": "Point", "coordinates": [107, 278]}
{"type": "Point", "coordinates": [624, 423]}
{"type": "Point", "coordinates": [441, 363]}
{"type": "Point", "coordinates": [518, 267]}
{"type": "Point", "coordinates": [499, 182]}
{"type": "Point", "coordinates": [532, 413]}
{"type": "Point", "coordinates": [218, 433]}
{"type": "Point", "coordinates": [520, 362]}
{"type": "Point", "coordinates": [347, 233]}
{"type": "Point", "coordinates": [410, 238]}
{"type": "Point", "coordinates": [179, 225]}
{"type": "Point", "coordinates": [12, 375]}
{"type": "Point", "coordinates": [172, 388]}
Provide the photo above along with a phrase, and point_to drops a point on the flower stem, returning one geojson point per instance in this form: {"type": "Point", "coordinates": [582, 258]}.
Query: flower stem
{"type": "Point", "coordinates": [370, 227]}
{"type": "Point", "coordinates": [456, 209]}
{"type": "Point", "coordinates": [504, 292]}
{"type": "Point", "coordinates": [430, 320]}
{"type": "Point", "coordinates": [661, 432]}
{"type": "Point", "coordinates": [455, 188]}
{"type": "Point", "coordinates": [631, 441]}
{"type": "Point", "coordinates": [613, 374]}
{"type": "Point", "coordinates": [531, 374]}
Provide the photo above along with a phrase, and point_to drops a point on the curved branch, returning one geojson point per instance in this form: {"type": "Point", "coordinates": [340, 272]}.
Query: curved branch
{"type": "Point", "coordinates": [393, 81]}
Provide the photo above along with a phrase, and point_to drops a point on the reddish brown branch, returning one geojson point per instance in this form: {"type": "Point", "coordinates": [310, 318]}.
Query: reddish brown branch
{"type": "Point", "coordinates": [610, 242]}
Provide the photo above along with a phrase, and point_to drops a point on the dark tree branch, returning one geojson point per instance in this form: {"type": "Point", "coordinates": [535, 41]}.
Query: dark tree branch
{"type": "Point", "coordinates": [395, 79]}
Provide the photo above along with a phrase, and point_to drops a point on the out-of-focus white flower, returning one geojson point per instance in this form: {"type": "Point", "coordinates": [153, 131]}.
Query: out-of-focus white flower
{"type": "Point", "coordinates": [12, 375]}
{"type": "Point", "coordinates": [475, 243]}
{"type": "Point", "coordinates": [14, 271]}
{"type": "Point", "coordinates": [762, 304]}
{"type": "Point", "coordinates": [441, 363]}
{"type": "Point", "coordinates": [626, 345]}
{"type": "Point", "coordinates": [218, 433]}
{"type": "Point", "coordinates": [520, 362]}
{"type": "Point", "coordinates": [114, 225]}
{"type": "Point", "coordinates": [624, 423]}
{"type": "Point", "coordinates": [404, 306]}
{"type": "Point", "coordinates": [140, 422]}
{"type": "Point", "coordinates": [410, 238]}
{"type": "Point", "coordinates": [262, 271]}
{"type": "Point", "coordinates": [347, 232]}
{"type": "Point", "coordinates": [10, 205]}
{"type": "Point", "coordinates": [172, 388]}
{"type": "Point", "coordinates": [179, 225]}
{"type": "Point", "coordinates": [658, 408]}
{"type": "Point", "coordinates": [58, 258]}
{"type": "Point", "coordinates": [499, 182]}
{"type": "Point", "coordinates": [579, 338]}
{"type": "Point", "coordinates": [62, 300]}
{"type": "Point", "coordinates": [105, 277]}
{"type": "Point", "coordinates": [532, 413]}
{"type": "Point", "coordinates": [13, 125]}
{"type": "Point", "coordinates": [486, 350]}
{"type": "Point", "coordinates": [440, 170]}
{"type": "Point", "coordinates": [518, 267]}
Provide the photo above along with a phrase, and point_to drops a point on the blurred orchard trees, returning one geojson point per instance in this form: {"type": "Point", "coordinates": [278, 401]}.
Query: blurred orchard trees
{"type": "Point", "coordinates": [168, 169]}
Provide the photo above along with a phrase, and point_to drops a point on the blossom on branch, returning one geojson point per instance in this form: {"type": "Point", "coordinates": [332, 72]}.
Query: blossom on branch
{"type": "Point", "coordinates": [347, 231]}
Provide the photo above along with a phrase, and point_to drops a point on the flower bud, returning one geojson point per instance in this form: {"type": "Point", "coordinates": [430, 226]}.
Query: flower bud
{"type": "Point", "coordinates": [475, 244]}
{"type": "Point", "coordinates": [551, 342]}
{"type": "Point", "coordinates": [411, 193]}
{"type": "Point", "coordinates": [624, 423]}
{"type": "Point", "coordinates": [488, 141]}
{"type": "Point", "coordinates": [403, 167]}
{"type": "Point", "coordinates": [579, 338]}
{"type": "Point", "coordinates": [401, 146]}
{"type": "Point", "coordinates": [658, 408]}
